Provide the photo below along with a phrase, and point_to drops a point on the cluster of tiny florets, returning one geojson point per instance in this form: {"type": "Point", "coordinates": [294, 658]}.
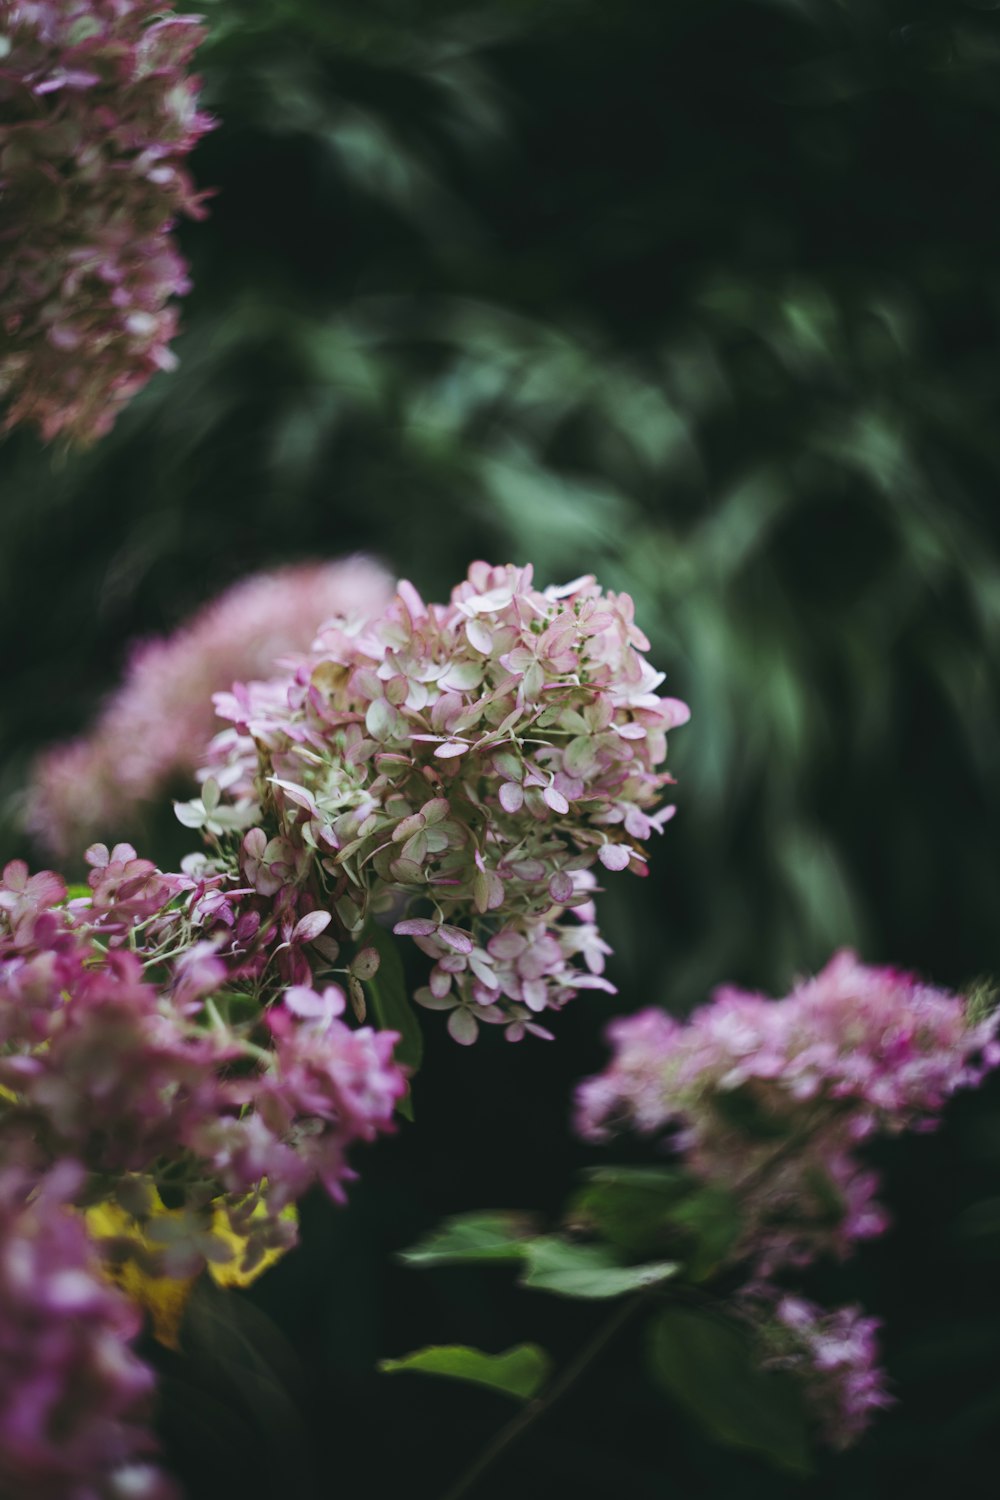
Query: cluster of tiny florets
{"type": "Point", "coordinates": [154, 730]}
{"type": "Point", "coordinates": [98, 116]}
{"type": "Point", "coordinates": [774, 1100]}
{"type": "Point", "coordinates": [463, 766]}
{"type": "Point", "coordinates": [146, 1041]}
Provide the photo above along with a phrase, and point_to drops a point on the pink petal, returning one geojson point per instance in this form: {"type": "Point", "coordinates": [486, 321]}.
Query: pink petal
{"type": "Point", "coordinates": [613, 856]}
{"type": "Point", "coordinates": [462, 1027]}
{"type": "Point", "coordinates": [310, 926]}
{"type": "Point", "coordinates": [555, 800]}
{"type": "Point", "coordinates": [416, 927]}
{"type": "Point", "coordinates": [511, 797]}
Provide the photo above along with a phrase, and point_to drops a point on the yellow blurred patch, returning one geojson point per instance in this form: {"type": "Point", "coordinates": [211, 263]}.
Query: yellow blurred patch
{"type": "Point", "coordinates": [164, 1298]}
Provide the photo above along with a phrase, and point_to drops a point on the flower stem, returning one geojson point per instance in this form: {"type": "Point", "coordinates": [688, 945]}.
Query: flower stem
{"type": "Point", "coordinates": [535, 1410]}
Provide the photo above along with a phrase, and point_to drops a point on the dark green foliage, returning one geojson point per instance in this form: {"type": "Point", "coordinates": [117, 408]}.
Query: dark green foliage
{"type": "Point", "coordinates": [707, 1364]}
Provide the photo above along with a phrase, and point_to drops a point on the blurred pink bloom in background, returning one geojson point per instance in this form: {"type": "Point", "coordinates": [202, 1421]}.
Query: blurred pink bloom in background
{"type": "Point", "coordinates": [98, 115]}
{"type": "Point", "coordinates": [153, 731]}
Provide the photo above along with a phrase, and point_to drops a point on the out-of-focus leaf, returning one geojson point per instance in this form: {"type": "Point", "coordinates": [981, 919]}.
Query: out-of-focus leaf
{"type": "Point", "coordinates": [642, 1210]}
{"type": "Point", "coordinates": [706, 1364]}
{"type": "Point", "coordinates": [493, 1236]}
{"type": "Point", "coordinates": [588, 1271]}
{"type": "Point", "coordinates": [518, 1372]}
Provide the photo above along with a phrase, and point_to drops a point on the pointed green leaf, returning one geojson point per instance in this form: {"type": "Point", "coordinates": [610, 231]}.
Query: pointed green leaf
{"type": "Point", "coordinates": [592, 1271]}
{"type": "Point", "coordinates": [495, 1236]}
{"type": "Point", "coordinates": [518, 1372]}
{"type": "Point", "coordinates": [706, 1363]}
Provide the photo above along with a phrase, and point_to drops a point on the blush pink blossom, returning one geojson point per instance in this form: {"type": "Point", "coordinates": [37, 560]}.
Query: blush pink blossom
{"type": "Point", "coordinates": [465, 765]}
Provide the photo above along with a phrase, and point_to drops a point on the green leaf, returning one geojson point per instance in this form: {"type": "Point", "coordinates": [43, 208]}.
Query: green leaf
{"type": "Point", "coordinates": [493, 1236]}
{"type": "Point", "coordinates": [630, 1206]}
{"type": "Point", "coordinates": [706, 1363]}
{"type": "Point", "coordinates": [518, 1372]}
{"type": "Point", "coordinates": [648, 1210]}
{"type": "Point", "coordinates": [75, 892]}
{"type": "Point", "coordinates": [591, 1271]}
{"type": "Point", "coordinates": [390, 1004]}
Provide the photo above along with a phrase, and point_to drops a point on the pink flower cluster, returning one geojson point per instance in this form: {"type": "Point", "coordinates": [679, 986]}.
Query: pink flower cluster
{"type": "Point", "coordinates": [74, 1398]}
{"type": "Point", "coordinates": [154, 730]}
{"type": "Point", "coordinates": [834, 1353]}
{"type": "Point", "coordinates": [464, 766]}
{"type": "Point", "coordinates": [773, 1098]}
{"type": "Point", "coordinates": [144, 1042]}
{"type": "Point", "coordinates": [773, 1101]}
{"type": "Point", "coordinates": [98, 115]}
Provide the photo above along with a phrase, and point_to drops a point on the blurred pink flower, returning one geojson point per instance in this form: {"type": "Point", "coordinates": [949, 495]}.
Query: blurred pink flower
{"type": "Point", "coordinates": [99, 114]}
{"type": "Point", "coordinates": [155, 728]}
{"type": "Point", "coordinates": [834, 1353]}
{"type": "Point", "coordinates": [74, 1398]}
{"type": "Point", "coordinates": [772, 1099]}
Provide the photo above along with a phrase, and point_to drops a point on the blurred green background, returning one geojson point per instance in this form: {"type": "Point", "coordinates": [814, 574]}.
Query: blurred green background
{"type": "Point", "coordinates": [702, 297]}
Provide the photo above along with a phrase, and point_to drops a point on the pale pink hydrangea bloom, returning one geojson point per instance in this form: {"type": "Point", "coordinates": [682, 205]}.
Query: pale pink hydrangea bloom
{"type": "Point", "coordinates": [155, 728]}
{"type": "Point", "coordinates": [772, 1099]}
{"type": "Point", "coordinates": [99, 114]}
{"type": "Point", "coordinates": [74, 1398]}
{"type": "Point", "coordinates": [470, 761]}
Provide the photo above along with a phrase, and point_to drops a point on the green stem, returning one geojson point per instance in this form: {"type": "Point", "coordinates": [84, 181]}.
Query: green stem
{"type": "Point", "coordinates": [538, 1408]}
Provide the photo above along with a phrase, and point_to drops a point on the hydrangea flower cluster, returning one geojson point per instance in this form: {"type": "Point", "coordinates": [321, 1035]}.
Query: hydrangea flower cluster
{"type": "Point", "coordinates": [99, 114]}
{"type": "Point", "coordinates": [74, 1398]}
{"type": "Point", "coordinates": [773, 1100]}
{"type": "Point", "coordinates": [834, 1353]}
{"type": "Point", "coordinates": [464, 766]}
{"type": "Point", "coordinates": [154, 730]}
{"type": "Point", "coordinates": [147, 1043]}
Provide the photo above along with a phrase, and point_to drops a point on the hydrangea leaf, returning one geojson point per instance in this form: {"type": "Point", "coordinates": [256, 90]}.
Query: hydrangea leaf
{"type": "Point", "coordinates": [706, 1364]}
{"type": "Point", "coordinates": [390, 1004]}
{"type": "Point", "coordinates": [519, 1372]}
{"type": "Point", "coordinates": [589, 1271]}
{"type": "Point", "coordinates": [642, 1210]}
{"type": "Point", "coordinates": [492, 1236]}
